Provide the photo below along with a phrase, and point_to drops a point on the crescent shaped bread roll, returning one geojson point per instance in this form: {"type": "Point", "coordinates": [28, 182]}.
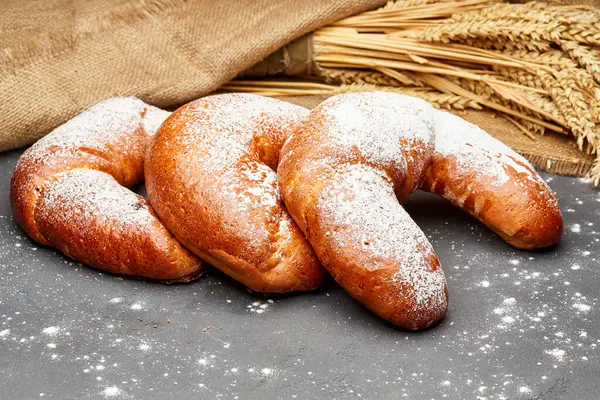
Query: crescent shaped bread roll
{"type": "Point", "coordinates": [210, 176]}
{"type": "Point", "coordinates": [342, 174]}
{"type": "Point", "coordinates": [356, 157]}
{"type": "Point", "coordinates": [69, 191]}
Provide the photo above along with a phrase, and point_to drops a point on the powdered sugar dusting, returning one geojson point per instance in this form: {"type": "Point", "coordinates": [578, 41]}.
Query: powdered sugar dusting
{"type": "Point", "coordinates": [231, 122]}
{"type": "Point", "coordinates": [153, 118]}
{"type": "Point", "coordinates": [376, 123]}
{"type": "Point", "coordinates": [558, 354]}
{"type": "Point", "coordinates": [103, 123]}
{"type": "Point", "coordinates": [476, 150]}
{"type": "Point", "coordinates": [87, 197]}
{"type": "Point", "coordinates": [111, 391]}
{"type": "Point", "coordinates": [231, 144]}
{"type": "Point", "coordinates": [51, 330]}
{"type": "Point", "coordinates": [360, 203]}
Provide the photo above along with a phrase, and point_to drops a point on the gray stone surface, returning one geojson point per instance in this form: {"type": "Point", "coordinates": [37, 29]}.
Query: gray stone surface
{"type": "Point", "coordinates": [521, 325]}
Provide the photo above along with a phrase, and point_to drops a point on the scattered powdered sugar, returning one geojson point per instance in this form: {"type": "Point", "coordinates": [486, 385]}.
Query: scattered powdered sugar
{"type": "Point", "coordinates": [115, 300]}
{"type": "Point", "coordinates": [558, 354]}
{"type": "Point", "coordinates": [477, 151]}
{"type": "Point", "coordinates": [268, 372]}
{"type": "Point", "coordinates": [575, 228]}
{"type": "Point", "coordinates": [136, 306]}
{"type": "Point", "coordinates": [510, 301]}
{"type": "Point", "coordinates": [4, 333]}
{"type": "Point", "coordinates": [111, 391]}
{"type": "Point", "coordinates": [582, 307]}
{"type": "Point", "coordinates": [259, 307]}
{"type": "Point", "coordinates": [204, 361]}
{"type": "Point", "coordinates": [508, 313]}
{"type": "Point", "coordinates": [51, 330]}
{"type": "Point", "coordinates": [144, 347]}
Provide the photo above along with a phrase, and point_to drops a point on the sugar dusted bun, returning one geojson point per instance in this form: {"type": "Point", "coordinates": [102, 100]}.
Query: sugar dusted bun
{"type": "Point", "coordinates": [210, 176]}
{"type": "Point", "coordinates": [349, 165]}
{"type": "Point", "coordinates": [69, 191]}
{"type": "Point", "coordinates": [341, 175]}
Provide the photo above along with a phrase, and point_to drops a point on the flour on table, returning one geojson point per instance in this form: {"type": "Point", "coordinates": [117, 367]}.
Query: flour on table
{"type": "Point", "coordinates": [111, 391]}
{"type": "Point", "coordinates": [558, 354]}
{"type": "Point", "coordinates": [51, 330]}
{"type": "Point", "coordinates": [582, 307]}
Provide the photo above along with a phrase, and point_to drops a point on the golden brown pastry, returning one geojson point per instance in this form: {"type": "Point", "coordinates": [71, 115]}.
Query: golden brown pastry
{"type": "Point", "coordinates": [210, 176]}
{"type": "Point", "coordinates": [346, 169]}
{"type": "Point", "coordinates": [493, 183]}
{"type": "Point", "coordinates": [69, 191]}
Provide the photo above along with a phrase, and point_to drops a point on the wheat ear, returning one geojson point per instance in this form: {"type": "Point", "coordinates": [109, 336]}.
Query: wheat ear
{"type": "Point", "coordinates": [585, 56]}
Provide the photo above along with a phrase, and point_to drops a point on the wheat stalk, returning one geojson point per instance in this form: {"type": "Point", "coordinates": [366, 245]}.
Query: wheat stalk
{"type": "Point", "coordinates": [535, 63]}
{"type": "Point", "coordinates": [535, 11]}
{"type": "Point", "coordinates": [595, 172]}
{"type": "Point", "coordinates": [501, 43]}
{"type": "Point", "coordinates": [512, 29]}
{"type": "Point", "coordinates": [404, 4]}
{"type": "Point", "coordinates": [526, 127]}
{"type": "Point", "coordinates": [548, 107]}
{"type": "Point", "coordinates": [585, 56]}
{"type": "Point", "coordinates": [581, 33]}
{"type": "Point", "coordinates": [554, 58]}
{"type": "Point", "coordinates": [521, 76]}
{"type": "Point", "coordinates": [570, 106]}
{"type": "Point", "coordinates": [580, 106]}
{"type": "Point", "coordinates": [347, 76]}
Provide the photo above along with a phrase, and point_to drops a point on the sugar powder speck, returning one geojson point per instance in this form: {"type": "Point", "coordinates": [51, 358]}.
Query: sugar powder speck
{"type": "Point", "coordinates": [111, 391]}
{"type": "Point", "coordinates": [51, 330]}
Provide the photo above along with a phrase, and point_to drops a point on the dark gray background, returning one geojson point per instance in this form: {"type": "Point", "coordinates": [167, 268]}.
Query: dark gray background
{"type": "Point", "coordinates": [521, 325]}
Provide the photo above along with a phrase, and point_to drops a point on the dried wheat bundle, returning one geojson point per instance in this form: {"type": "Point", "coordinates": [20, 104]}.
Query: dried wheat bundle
{"type": "Point", "coordinates": [273, 88]}
{"type": "Point", "coordinates": [537, 64]}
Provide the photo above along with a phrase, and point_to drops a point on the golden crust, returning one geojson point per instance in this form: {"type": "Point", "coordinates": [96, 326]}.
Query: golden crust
{"type": "Point", "coordinates": [66, 192]}
{"type": "Point", "coordinates": [210, 178]}
{"type": "Point", "coordinates": [341, 174]}
{"type": "Point", "coordinates": [493, 183]}
{"type": "Point", "coordinates": [523, 212]}
{"type": "Point", "coordinates": [347, 166]}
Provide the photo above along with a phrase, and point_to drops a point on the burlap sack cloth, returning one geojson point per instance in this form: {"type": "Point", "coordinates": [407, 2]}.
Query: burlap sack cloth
{"type": "Point", "coordinates": [58, 57]}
